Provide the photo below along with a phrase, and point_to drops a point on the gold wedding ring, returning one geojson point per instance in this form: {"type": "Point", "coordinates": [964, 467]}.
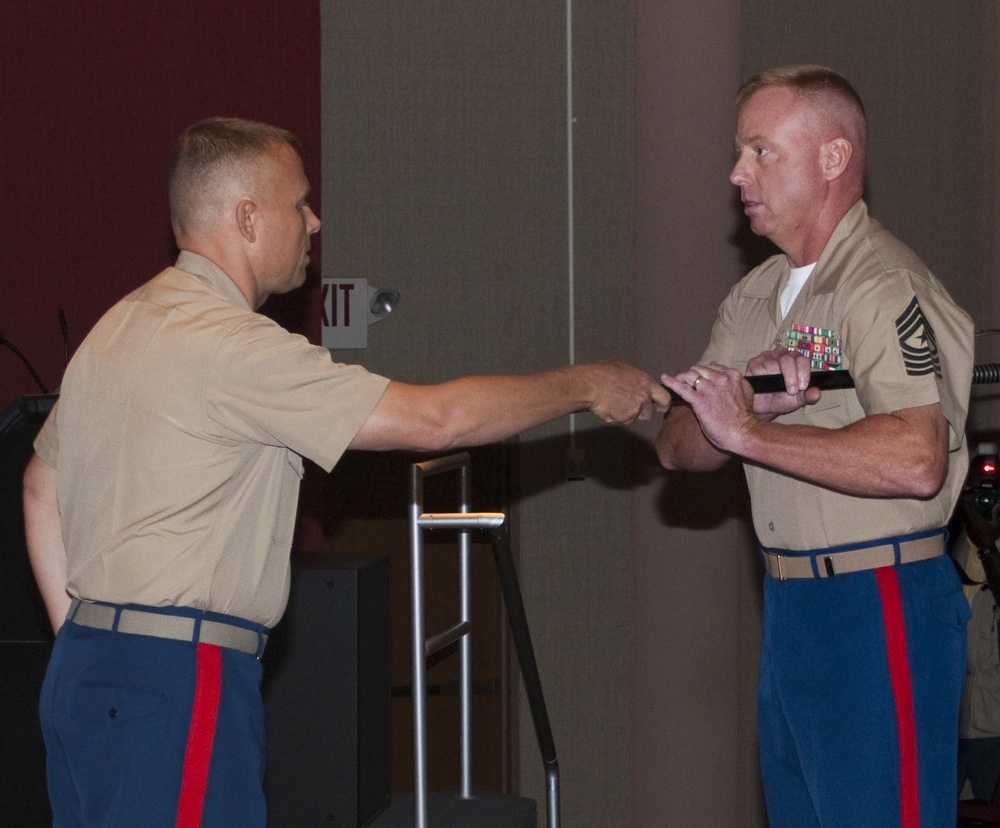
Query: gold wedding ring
{"type": "Point", "coordinates": [694, 384]}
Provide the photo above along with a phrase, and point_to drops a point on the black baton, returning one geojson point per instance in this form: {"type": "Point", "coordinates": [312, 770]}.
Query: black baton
{"type": "Point", "coordinates": [986, 374]}
{"type": "Point", "coordinates": [772, 383]}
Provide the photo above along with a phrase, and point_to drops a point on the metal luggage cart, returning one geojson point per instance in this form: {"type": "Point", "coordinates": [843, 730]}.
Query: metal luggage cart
{"type": "Point", "coordinates": [467, 808]}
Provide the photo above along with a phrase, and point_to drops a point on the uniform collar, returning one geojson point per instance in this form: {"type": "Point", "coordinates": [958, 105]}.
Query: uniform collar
{"type": "Point", "coordinates": [213, 275]}
{"type": "Point", "coordinates": [774, 273]}
{"type": "Point", "coordinates": [825, 277]}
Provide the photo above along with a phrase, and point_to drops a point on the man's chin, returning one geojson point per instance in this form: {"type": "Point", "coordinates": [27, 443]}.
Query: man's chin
{"type": "Point", "coordinates": [300, 279]}
{"type": "Point", "coordinates": [291, 284]}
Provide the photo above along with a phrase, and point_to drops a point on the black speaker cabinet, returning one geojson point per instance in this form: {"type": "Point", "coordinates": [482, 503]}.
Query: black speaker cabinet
{"type": "Point", "coordinates": [25, 635]}
{"type": "Point", "coordinates": [327, 695]}
{"type": "Point", "coordinates": [22, 614]}
{"type": "Point", "coordinates": [24, 799]}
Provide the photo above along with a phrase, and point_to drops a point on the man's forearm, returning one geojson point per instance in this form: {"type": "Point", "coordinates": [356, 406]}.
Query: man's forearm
{"type": "Point", "coordinates": [682, 446]}
{"type": "Point", "coordinates": [903, 454]}
{"type": "Point", "coordinates": [483, 409]}
{"type": "Point", "coordinates": [43, 533]}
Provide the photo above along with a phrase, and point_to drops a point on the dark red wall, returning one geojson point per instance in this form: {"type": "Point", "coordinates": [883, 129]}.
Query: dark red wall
{"type": "Point", "coordinates": [92, 96]}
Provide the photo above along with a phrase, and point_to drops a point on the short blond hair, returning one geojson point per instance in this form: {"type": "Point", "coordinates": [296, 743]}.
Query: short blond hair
{"type": "Point", "coordinates": [213, 150]}
{"type": "Point", "coordinates": [826, 89]}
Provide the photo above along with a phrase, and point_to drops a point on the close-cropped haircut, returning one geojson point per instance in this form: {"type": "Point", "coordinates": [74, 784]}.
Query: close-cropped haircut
{"type": "Point", "coordinates": [825, 91]}
{"type": "Point", "coordinates": [215, 147]}
{"type": "Point", "coordinates": [806, 79]}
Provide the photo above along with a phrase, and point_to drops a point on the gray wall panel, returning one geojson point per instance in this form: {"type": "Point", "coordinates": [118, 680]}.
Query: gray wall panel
{"type": "Point", "coordinates": [925, 71]}
{"type": "Point", "coordinates": [444, 176]}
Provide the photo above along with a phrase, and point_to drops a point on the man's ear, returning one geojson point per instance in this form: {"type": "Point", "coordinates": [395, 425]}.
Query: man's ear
{"type": "Point", "coordinates": [836, 156]}
{"type": "Point", "coordinates": [246, 219]}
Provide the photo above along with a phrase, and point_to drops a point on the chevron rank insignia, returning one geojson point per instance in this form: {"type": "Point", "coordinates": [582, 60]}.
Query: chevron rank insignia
{"type": "Point", "coordinates": [916, 340]}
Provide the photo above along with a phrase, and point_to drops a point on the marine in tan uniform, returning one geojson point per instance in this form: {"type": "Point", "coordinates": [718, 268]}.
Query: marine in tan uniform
{"type": "Point", "coordinates": [863, 648]}
{"type": "Point", "coordinates": [160, 503]}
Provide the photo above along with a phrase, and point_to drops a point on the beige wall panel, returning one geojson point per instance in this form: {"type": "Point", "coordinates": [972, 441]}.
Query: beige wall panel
{"type": "Point", "coordinates": [696, 581]}
{"type": "Point", "coordinates": [927, 72]}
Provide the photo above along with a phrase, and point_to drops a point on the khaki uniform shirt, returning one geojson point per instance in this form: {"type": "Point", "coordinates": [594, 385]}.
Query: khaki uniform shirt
{"type": "Point", "coordinates": [870, 307]}
{"type": "Point", "coordinates": [178, 440]}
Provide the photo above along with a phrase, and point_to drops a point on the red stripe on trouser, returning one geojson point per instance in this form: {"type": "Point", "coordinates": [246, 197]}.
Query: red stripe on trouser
{"type": "Point", "coordinates": [899, 672]}
{"type": "Point", "coordinates": [198, 755]}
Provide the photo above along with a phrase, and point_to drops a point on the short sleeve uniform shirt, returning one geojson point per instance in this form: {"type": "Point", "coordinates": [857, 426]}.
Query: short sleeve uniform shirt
{"type": "Point", "coordinates": [178, 441]}
{"type": "Point", "coordinates": [870, 307]}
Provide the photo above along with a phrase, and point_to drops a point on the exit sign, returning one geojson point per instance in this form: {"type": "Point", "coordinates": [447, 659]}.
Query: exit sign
{"type": "Point", "coordinates": [345, 313]}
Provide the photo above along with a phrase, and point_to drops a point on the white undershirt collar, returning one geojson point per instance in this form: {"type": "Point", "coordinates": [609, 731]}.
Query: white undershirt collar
{"type": "Point", "coordinates": [797, 277]}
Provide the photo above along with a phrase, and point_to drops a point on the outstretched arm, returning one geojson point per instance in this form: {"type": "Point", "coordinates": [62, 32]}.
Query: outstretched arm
{"type": "Point", "coordinates": [45, 542]}
{"type": "Point", "coordinates": [483, 409]}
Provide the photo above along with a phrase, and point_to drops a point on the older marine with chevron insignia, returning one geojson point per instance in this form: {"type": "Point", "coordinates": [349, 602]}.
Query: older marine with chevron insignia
{"type": "Point", "coordinates": [863, 651]}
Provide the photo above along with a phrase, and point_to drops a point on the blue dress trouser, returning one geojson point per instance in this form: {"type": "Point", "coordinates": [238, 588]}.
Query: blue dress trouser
{"type": "Point", "coordinates": [143, 731]}
{"type": "Point", "coordinates": [861, 677]}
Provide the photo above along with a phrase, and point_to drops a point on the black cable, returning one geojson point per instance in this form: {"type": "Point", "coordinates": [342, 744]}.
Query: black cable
{"type": "Point", "coordinates": [986, 374]}
{"type": "Point", "coordinates": [6, 342]}
{"type": "Point", "coordinates": [64, 328]}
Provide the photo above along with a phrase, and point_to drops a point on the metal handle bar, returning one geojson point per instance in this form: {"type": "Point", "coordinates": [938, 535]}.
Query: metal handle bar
{"type": "Point", "coordinates": [464, 522]}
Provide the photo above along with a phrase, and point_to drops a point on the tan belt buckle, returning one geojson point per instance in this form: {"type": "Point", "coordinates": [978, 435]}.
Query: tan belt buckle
{"type": "Point", "coordinates": [777, 563]}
